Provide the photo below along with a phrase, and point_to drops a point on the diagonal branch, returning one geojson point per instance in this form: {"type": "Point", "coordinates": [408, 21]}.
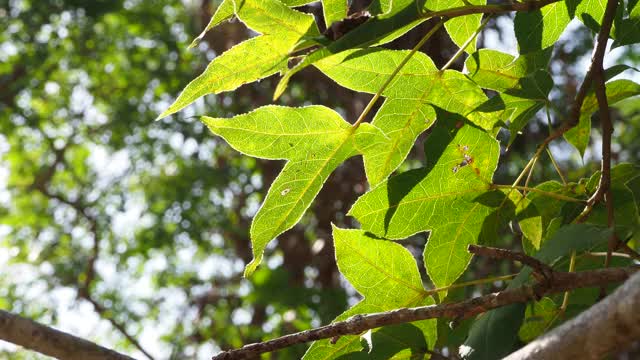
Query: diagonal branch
{"type": "Point", "coordinates": [603, 191]}
{"type": "Point", "coordinates": [357, 324]}
{"type": "Point", "coordinates": [542, 270]}
{"type": "Point", "coordinates": [610, 325]}
{"type": "Point", "coordinates": [49, 341]}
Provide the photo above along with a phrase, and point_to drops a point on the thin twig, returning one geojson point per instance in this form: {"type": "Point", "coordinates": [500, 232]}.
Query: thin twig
{"type": "Point", "coordinates": [357, 324]}
{"type": "Point", "coordinates": [555, 165]}
{"type": "Point", "coordinates": [526, 182]}
{"type": "Point", "coordinates": [539, 191]}
{"type": "Point", "coordinates": [565, 298]}
{"type": "Point", "coordinates": [542, 269]}
{"type": "Point", "coordinates": [604, 185]}
{"type": "Point", "coordinates": [471, 283]}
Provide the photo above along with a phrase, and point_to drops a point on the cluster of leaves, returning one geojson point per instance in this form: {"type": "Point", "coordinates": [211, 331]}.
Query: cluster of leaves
{"type": "Point", "coordinates": [453, 197]}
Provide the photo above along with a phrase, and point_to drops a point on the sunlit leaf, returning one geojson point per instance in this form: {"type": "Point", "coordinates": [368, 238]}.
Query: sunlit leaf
{"type": "Point", "coordinates": [226, 10]}
{"type": "Point", "coordinates": [402, 120]}
{"type": "Point", "coordinates": [386, 274]}
{"type": "Point", "coordinates": [334, 10]}
{"type": "Point", "coordinates": [617, 90]}
{"type": "Point", "coordinates": [459, 28]}
{"type": "Point", "coordinates": [408, 110]}
{"type": "Point", "coordinates": [444, 197]}
{"type": "Point", "coordinates": [314, 139]}
{"type": "Point", "coordinates": [590, 12]}
{"type": "Point", "coordinates": [522, 86]}
{"type": "Point", "coordinates": [255, 58]}
{"type": "Point", "coordinates": [402, 17]}
{"type": "Point", "coordinates": [495, 70]}
{"type": "Point", "coordinates": [539, 29]}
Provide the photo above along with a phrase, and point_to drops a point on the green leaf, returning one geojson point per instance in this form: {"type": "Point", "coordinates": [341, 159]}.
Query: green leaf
{"type": "Point", "coordinates": [494, 334]}
{"type": "Point", "coordinates": [419, 80]}
{"type": "Point", "coordinates": [537, 318]}
{"type": "Point", "coordinates": [590, 12]}
{"type": "Point", "coordinates": [530, 223]}
{"type": "Point", "coordinates": [378, 7]}
{"type": "Point", "coordinates": [495, 70]}
{"type": "Point", "coordinates": [626, 31]}
{"type": "Point", "coordinates": [223, 13]}
{"type": "Point", "coordinates": [461, 28]}
{"type": "Point", "coordinates": [464, 160]}
{"type": "Point", "coordinates": [402, 17]}
{"type": "Point", "coordinates": [334, 10]}
{"type": "Point", "coordinates": [408, 110]}
{"type": "Point", "coordinates": [539, 29]}
{"type": "Point", "coordinates": [314, 139]}
{"type": "Point", "coordinates": [255, 58]}
{"type": "Point", "coordinates": [366, 70]}
{"type": "Point", "coordinates": [625, 202]}
{"type": "Point", "coordinates": [402, 120]}
{"type": "Point", "coordinates": [537, 211]}
{"type": "Point", "coordinates": [617, 90]}
{"type": "Point", "coordinates": [402, 341]}
{"type": "Point", "coordinates": [386, 274]}
{"type": "Point", "coordinates": [519, 103]}
{"type": "Point", "coordinates": [580, 135]}
{"type": "Point", "coordinates": [617, 70]}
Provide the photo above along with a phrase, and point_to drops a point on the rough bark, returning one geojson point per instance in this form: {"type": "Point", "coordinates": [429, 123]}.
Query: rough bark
{"type": "Point", "coordinates": [49, 341]}
{"type": "Point", "coordinates": [611, 325]}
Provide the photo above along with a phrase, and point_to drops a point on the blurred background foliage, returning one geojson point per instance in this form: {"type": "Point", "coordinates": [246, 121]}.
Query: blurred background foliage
{"type": "Point", "coordinates": [134, 233]}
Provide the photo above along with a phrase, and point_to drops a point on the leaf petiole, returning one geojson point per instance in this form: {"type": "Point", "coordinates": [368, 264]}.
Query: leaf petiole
{"type": "Point", "coordinates": [542, 192]}
{"type": "Point", "coordinates": [471, 283]}
{"type": "Point", "coordinates": [395, 72]}
{"type": "Point", "coordinates": [466, 43]}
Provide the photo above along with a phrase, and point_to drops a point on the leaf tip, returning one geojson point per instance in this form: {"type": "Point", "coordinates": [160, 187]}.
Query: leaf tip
{"type": "Point", "coordinates": [163, 115]}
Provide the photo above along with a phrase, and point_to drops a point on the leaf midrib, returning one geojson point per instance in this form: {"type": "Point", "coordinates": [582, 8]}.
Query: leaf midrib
{"type": "Point", "coordinates": [427, 198]}
{"type": "Point", "coordinates": [407, 125]}
{"type": "Point", "coordinates": [330, 132]}
{"type": "Point", "coordinates": [384, 272]}
{"type": "Point", "coordinates": [455, 240]}
{"type": "Point", "coordinates": [309, 183]}
{"type": "Point", "coordinates": [266, 13]}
